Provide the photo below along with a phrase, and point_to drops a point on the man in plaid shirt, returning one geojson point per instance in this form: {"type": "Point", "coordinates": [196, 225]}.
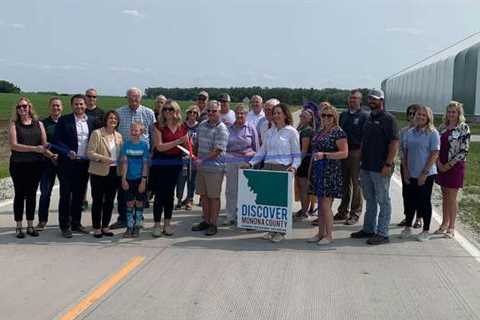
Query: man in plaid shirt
{"type": "Point", "coordinates": [133, 112]}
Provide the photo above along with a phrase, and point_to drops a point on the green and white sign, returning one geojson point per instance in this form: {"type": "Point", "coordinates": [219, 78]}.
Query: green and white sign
{"type": "Point", "coordinates": [265, 200]}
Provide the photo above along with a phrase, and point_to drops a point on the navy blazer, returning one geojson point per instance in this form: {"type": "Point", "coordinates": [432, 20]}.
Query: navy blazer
{"type": "Point", "coordinates": [65, 137]}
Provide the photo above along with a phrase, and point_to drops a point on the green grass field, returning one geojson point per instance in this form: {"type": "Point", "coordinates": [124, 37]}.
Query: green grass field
{"type": "Point", "coordinates": [470, 200]}
{"type": "Point", "coordinates": [402, 122]}
{"type": "Point", "coordinates": [40, 102]}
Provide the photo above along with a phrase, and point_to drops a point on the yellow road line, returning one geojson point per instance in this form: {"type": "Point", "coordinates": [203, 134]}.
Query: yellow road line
{"type": "Point", "coordinates": [102, 289]}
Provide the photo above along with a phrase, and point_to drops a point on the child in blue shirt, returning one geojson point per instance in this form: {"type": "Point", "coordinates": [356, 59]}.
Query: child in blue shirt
{"type": "Point", "coordinates": [134, 157]}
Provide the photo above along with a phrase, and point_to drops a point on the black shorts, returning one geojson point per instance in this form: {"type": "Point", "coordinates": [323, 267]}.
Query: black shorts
{"type": "Point", "coordinates": [132, 193]}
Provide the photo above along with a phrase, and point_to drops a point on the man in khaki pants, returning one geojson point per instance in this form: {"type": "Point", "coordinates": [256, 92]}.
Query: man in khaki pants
{"type": "Point", "coordinates": [352, 121]}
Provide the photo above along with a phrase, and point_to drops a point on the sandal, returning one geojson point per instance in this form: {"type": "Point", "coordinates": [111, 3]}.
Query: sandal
{"type": "Point", "coordinates": [450, 234]}
{"type": "Point", "coordinates": [441, 230]}
{"type": "Point", "coordinates": [32, 232]}
{"type": "Point", "coordinates": [19, 233]}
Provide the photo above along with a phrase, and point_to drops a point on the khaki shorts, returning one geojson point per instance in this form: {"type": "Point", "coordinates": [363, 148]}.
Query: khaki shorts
{"type": "Point", "coordinates": [209, 183]}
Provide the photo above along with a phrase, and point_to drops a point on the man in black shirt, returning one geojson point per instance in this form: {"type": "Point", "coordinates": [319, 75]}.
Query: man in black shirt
{"type": "Point", "coordinates": [51, 169]}
{"type": "Point", "coordinates": [379, 146]}
{"type": "Point", "coordinates": [352, 121]}
{"type": "Point", "coordinates": [93, 111]}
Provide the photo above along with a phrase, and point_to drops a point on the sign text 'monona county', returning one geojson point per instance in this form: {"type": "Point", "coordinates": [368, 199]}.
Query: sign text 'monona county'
{"type": "Point", "coordinates": [264, 215]}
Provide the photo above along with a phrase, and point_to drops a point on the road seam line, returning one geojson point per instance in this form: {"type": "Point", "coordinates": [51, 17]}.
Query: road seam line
{"type": "Point", "coordinates": [104, 287]}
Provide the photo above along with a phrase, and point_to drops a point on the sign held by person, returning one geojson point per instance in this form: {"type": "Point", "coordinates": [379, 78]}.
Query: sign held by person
{"type": "Point", "coordinates": [265, 200]}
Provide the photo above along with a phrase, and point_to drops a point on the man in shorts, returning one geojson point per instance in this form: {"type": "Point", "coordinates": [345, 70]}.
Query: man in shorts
{"type": "Point", "coordinates": [211, 146]}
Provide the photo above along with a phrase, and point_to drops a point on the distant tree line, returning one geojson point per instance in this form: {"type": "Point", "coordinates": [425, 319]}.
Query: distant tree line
{"type": "Point", "coordinates": [292, 96]}
{"type": "Point", "coordinates": [8, 87]}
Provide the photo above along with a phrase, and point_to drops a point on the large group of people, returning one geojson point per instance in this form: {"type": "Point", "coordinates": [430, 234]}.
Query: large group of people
{"type": "Point", "coordinates": [135, 153]}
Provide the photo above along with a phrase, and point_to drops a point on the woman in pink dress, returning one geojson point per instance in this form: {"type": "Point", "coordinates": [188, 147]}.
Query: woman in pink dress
{"type": "Point", "coordinates": [454, 143]}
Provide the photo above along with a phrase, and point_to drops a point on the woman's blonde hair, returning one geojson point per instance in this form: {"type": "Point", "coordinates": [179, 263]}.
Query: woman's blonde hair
{"type": "Point", "coordinates": [311, 123]}
{"type": "Point", "coordinates": [195, 108]}
{"type": "Point", "coordinates": [177, 113]}
{"type": "Point", "coordinates": [459, 108]}
{"type": "Point", "coordinates": [329, 107]}
{"type": "Point", "coordinates": [430, 126]}
{"type": "Point", "coordinates": [31, 112]}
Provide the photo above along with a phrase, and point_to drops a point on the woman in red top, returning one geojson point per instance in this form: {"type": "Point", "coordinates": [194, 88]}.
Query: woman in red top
{"type": "Point", "coordinates": [166, 163]}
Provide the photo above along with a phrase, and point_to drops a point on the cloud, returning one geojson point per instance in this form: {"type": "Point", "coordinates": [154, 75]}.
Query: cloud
{"type": "Point", "coordinates": [11, 25]}
{"type": "Point", "coordinates": [410, 31]}
{"type": "Point", "coordinates": [17, 26]}
{"type": "Point", "coordinates": [133, 13]}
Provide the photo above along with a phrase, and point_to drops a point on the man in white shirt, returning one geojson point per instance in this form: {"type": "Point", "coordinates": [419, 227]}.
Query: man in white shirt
{"type": "Point", "coordinates": [265, 123]}
{"type": "Point", "coordinates": [256, 113]}
{"type": "Point", "coordinates": [226, 115]}
{"type": "Point", "coordinates": [70, 141]}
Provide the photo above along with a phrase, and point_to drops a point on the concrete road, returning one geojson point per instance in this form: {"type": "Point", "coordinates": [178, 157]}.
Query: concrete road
{"type": "Point", "coordinates": [234, 275]}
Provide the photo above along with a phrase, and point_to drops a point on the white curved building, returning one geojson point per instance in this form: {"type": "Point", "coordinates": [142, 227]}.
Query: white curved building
{"type": "Point", "coordinates": [452, 75]}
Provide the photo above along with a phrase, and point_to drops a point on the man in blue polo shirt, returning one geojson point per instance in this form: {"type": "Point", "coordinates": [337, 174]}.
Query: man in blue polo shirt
{"type": "Point", "coordinates": [378, 150]}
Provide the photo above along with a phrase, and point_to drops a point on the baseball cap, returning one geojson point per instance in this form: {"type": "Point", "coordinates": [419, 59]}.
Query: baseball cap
{"type": "Point", "coordinates": [203, 94]}
{"type": "Point", "coordinates": [376, 94]}
{"type": "Point", "coordinates": [224, 97]}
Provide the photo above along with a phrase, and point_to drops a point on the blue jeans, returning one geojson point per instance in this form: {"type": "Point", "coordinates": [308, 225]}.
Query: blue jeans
{"type": "Point", "coordinates": [189, 180]}
{"type": "Point", "coordinates": [376, 190]}
{"type": "Point", "coordinates": [46, 185]}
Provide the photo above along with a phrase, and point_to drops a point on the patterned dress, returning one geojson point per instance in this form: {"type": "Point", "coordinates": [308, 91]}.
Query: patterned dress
{"type": "Point", "coordinates": [328, 178]}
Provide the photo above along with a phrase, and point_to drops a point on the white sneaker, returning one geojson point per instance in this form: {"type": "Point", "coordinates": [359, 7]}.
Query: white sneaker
{"type": "Point", "coordinates": [406, 233]}
{"type": "Point", "coordinates": [315, 238]}
{"type": "Point", "coordinates": [277, 237]}
{"type": "Point", "coordinates": [324, 242]}
{"type": "Point", "coordinates": [157, 232]}
{"type": "Point", "coordinates": [267, 236]}
{"type": "Point", "coordinates": [423, 236]}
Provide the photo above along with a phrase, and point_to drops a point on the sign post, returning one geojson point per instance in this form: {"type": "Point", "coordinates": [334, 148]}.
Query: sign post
{"type": "Point", "coordinates": [265, 200]}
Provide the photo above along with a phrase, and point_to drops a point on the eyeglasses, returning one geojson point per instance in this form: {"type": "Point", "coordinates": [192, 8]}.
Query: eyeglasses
{"type": "Point", "coordinates": [20, 106]}
{"type": "Point", "coordinates": [168, 109]}
{"type": "Point", "coordinates": [327, 115]}
{"type": "Point", "coordinates": [190, 112]}
{"type": "Point", "coordinates": [55, 105]}
{"type": "Point", "coordinates": [211, 111]}
{"type": "Point", "coordinates": [91, 97]}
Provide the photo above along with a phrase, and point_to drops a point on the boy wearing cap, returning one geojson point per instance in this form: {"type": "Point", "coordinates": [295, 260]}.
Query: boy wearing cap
{"type": "Point", "coordinates": [378, 149]}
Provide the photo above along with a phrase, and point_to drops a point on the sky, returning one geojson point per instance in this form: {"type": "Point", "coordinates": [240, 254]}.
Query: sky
{"type": "Point", "coordinates": [70, 45]}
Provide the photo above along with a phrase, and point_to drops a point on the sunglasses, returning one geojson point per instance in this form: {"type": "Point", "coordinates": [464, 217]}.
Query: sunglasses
{"type": "Point", "coordinates": [20, 106]}
{"type": "Point", "coordinates": [211, 111]}
{"type": "Point", "coordinates": [190, 112]}
{"type": "Point", "coordinates": [91, 97]}
{"type": "Point", "coordinates": [201, 98]}
{"type": "Point", "coordinates": [327, 115]}
{"type": "Point", "coordinates": [168, 109]}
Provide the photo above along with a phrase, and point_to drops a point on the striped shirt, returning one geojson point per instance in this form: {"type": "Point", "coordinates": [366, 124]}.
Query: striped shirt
{"type": "Point", "coordinates": [143, 115]}
{"type": "Point", "coordinates": [209, 138]}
